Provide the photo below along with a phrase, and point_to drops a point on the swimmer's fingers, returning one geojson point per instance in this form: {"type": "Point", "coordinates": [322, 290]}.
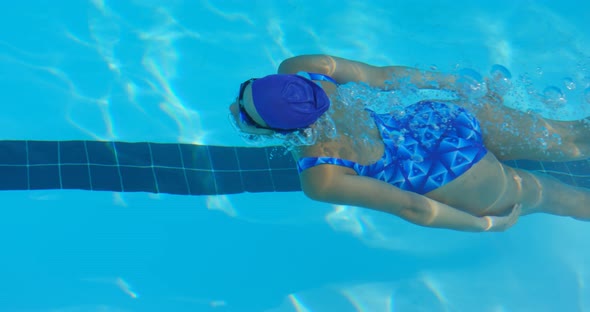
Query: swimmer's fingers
{"type": "Point", "coordinates": [499, 224]}
{"type": "Point", "coordinates": [514, 214]}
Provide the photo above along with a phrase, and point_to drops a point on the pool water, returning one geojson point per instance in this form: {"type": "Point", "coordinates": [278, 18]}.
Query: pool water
{"type": "Point", "coordinates": [166, 71]}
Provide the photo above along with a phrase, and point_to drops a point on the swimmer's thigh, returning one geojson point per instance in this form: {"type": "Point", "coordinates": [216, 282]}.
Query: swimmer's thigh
{"type": "Point", "coordinates": [513, 134]}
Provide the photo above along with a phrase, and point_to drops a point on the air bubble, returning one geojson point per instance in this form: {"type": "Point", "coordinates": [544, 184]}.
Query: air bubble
{"type": "Point", "coordinates": [470, 83]}
{"type": "Point", "coordinates": [500, 79]}
{"type": "Point", "coordinates": [554, 97]}
{"type": "Point", "coordinates": [569, 83]}
{"type": "Point", "coordinates": [539, 71]}
{"type": "Point", "coordinates": [542, 143]}
{"type": "Point", "coordinates": [531, 90]}
{"type": "Point", "coordinates": [499, 71]}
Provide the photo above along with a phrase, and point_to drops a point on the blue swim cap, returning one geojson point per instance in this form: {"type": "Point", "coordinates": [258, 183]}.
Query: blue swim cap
{"type": "Point", "coordinates": [288, 102]}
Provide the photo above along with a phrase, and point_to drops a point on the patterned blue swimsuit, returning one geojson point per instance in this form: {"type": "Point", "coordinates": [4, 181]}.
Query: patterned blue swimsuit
{"type": "Point", "coordinates": [427, 146]}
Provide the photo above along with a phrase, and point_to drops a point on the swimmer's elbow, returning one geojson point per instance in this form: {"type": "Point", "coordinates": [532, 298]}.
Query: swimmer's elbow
{"type": "Point", "coordinates": [321, 188]}
{"type": "Point", "coordinates": [316, 192]}
{"type": "Point", "coordinates": [292, 65]}
{"type": "Point", "coordinates": [310, 63]}
{"type": "Point", "coordinates": [287, 65]}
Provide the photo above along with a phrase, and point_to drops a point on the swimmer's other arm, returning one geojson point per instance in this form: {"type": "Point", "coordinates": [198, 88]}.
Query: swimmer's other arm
{"type": "Point", "coordinates": [384, 77]}
{"type": "Point", "coordinates": [344, 189]}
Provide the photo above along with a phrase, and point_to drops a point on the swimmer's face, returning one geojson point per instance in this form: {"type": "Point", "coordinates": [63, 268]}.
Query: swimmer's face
{"type": "Point", "coordinates": [244, 113]}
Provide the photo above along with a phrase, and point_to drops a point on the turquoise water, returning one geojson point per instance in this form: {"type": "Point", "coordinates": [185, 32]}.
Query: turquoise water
{"type": "Point", "coordinates": [165, 71]}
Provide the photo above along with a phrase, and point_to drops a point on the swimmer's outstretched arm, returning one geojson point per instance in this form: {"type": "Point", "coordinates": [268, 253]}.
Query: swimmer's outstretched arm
{"type": "Point", "coordinates": [344, 189]}
{"type": "Point", "coordinates": [384, 77]}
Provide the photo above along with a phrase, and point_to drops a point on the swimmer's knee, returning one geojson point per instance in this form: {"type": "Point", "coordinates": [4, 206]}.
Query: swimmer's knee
{"type": "Point", "coordinates": [529, 190]}
{"type": "Point", "coordinates": [573, 150]}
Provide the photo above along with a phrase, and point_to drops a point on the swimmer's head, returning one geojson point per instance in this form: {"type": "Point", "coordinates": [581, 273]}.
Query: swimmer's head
{"type": "Point", "coordinates": [281, 102]}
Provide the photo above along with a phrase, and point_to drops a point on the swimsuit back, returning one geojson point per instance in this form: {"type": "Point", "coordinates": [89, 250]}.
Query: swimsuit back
{"type": "Point", "coordinates": [427, 146]}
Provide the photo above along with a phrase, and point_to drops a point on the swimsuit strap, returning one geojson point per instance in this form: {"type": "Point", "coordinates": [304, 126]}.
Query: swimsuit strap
{"type": "Point", "coordinates": [308, 162]}
{"type": "Point", "coordinates": [322, 77]}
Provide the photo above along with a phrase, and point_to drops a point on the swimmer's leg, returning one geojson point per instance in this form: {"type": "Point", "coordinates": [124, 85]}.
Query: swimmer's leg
{"type": "Point", "coordinates": [493, 188]}
{"type": "Point", "coordinates": [540, 193]}
{"type": "Point", "coordinates": [513, 134]}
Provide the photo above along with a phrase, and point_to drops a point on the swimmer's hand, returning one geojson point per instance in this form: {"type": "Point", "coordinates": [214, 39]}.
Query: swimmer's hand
{"type": "Point", "coordinates": [499, 224]}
